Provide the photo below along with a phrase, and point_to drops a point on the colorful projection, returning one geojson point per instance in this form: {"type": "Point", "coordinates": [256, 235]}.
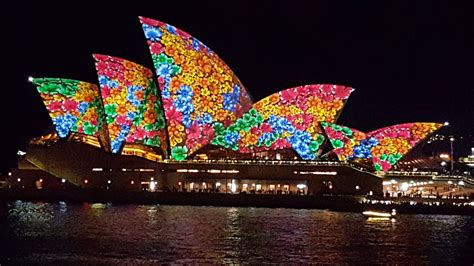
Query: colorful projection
{"type": "Point", "coordinates": [289, 118]}
{"type": "Point", "coordinates": [132, 107]}
{"type": "Point", "coordinates": [74, 106]}
{"type": "Point", "coordinates": [200, 101]}
{"type": "Point", "coordinates": [348, 143]}
{"type": "Point", "coordinates": [396, 141]}
{"type": "Point", "coordinates": [199, 91]}
{"type": "Point", "coordinates": [386, 146]}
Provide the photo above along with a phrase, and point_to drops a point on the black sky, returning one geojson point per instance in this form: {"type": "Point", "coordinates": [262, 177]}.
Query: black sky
{"type": "Point", "coordinates": [408, 61]}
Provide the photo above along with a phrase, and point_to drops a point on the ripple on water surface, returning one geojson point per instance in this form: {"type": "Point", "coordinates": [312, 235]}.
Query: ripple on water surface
{"type": "Point", "coordinates": [106, 233]}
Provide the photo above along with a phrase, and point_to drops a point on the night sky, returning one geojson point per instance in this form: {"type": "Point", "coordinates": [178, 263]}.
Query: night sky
{"type": "Point", "coordinates": [407, 61]}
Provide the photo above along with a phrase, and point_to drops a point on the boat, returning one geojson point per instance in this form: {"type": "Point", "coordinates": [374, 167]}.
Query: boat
{"type": "Point", "coordinates": [380, 214]}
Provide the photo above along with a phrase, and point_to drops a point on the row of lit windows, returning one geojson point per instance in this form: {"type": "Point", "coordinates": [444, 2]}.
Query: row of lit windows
{"type": "Point", "coordinates": [125, 170]}
{"type": "Point", "coordinates": [212, 171]}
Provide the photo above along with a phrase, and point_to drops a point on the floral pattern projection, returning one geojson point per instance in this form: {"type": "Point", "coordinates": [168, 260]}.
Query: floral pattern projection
{"type": "Point", "coordinates": [199, 91]}
{"type": "Point", "coordinates": [74, 106]}
{"type": "Point", "coordinates": [287, 119]}
{"type": "Point", "coordinates": [348, 143]}
{"type": "Point", "coordinates": [386, 146]}
{"type": "Point", "coordinates": [132, 107]}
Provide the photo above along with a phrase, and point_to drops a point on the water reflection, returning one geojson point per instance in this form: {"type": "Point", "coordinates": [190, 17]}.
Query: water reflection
{"type": "Point", "coordinates": [105, 234]}
{"type": "Point", "coordinates": [62, 206]}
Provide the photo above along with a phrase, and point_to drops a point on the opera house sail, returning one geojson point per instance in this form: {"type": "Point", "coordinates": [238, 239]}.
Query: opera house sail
{"type": "Point", "coordinates": [199, 91]}
{"type": "Point", "coordinates": [133, 110]}
{"type": "Point", "coordinates": [192, 104]}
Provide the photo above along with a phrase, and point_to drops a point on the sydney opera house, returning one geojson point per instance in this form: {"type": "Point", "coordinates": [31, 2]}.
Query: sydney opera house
{"type": "Point", "coordinates": [192, 125]}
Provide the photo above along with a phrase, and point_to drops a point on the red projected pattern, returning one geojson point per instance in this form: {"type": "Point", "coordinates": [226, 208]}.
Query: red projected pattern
{"type": "Point", "coordinates": [197, 88]}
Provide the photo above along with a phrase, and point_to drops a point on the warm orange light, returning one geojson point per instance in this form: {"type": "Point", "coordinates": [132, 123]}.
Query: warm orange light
{"type": "Point", "coordinates": [41, 180]}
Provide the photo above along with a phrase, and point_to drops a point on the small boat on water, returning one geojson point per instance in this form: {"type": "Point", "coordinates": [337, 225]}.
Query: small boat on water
{"type": "Point", "coordinates": [380, 214]}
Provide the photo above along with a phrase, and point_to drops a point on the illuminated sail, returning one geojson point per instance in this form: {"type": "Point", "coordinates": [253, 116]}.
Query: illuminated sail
{"type": "Point", "coordinates": [197, 88]}
{"type": "Point", "coordinates": [73, 105]}
{"type": "Point", "coordinates": [286, 119]}
{"type": "Point", "coordinates": [132, 107]}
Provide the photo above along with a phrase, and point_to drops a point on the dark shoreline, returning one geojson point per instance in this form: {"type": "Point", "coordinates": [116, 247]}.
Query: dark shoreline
{"type": "Point", "coordinates": [333, 203]}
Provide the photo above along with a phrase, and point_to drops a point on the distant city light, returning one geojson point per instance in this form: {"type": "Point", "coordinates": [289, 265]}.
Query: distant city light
{"type": "Point", "coordinates": [41, 180]}
{"type": "Point", "coordinates": [132, 182]}
{"type": "Point", "coordinates": [109, 181]}
{"type": "Point", "coordinates": [18, 179]}
{"type": "Point", "coordinates": [152, 186]}
{"type": "Point", "coordinates": [9, 173]}
{"type": "Point", "coordinates": [444, 156]}
{"type": "Point", "coordinates": [301, 186]}
{"type": "Point", "coordinates": [404, 186]}
{"type": "Point", "coordinates": [20, 153]}
{"type": "Point", "coordinates": [214, 171]}
{"type": "Point", "coordinates": [63, 180]}
{"type": "Point", "coordinates": [446, 123]}
{"type": "Point", "coordinates": [315, 173]}
{"type": "Point", "coordinates": [30, 79]}
{"type": "Point", "coordinates": [357, 187]}
{"type": "Point", "coordinates": [86, 181]}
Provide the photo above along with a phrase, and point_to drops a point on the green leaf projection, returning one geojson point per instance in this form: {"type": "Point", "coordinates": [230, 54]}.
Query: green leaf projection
{"type": "Point", "coordinates": [73, 105]}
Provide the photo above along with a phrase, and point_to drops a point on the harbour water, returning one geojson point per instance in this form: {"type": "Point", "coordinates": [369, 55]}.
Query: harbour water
{"type": "Point", "coordinates": [64, 233]}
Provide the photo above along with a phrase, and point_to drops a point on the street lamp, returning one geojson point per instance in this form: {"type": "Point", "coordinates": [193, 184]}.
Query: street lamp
{"type": "Point", "coordinates": [451, 140]}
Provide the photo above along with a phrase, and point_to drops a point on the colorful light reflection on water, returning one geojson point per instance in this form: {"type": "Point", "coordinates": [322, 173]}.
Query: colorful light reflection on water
{"type": "Point", "coordinates": [106, 233]}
